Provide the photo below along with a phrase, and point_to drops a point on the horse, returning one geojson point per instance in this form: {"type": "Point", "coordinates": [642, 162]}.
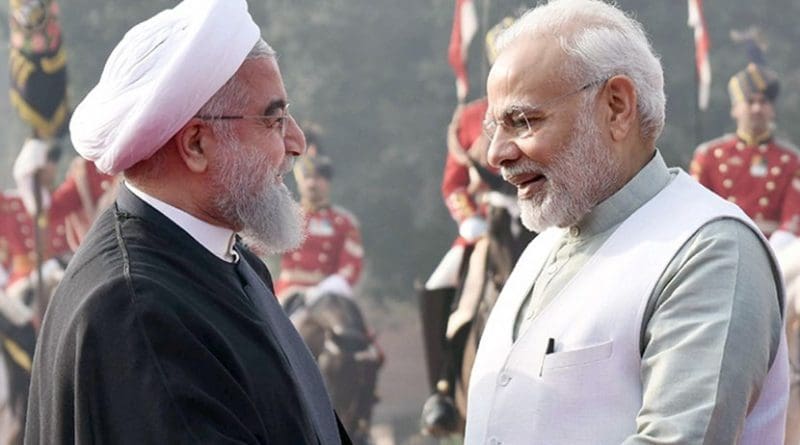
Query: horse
{"type": "Point", "coordinates": [483, 274]}
{"type": "Point", "coordinates": [335, 332]}
{"type": "Point", "coordinates": [19, 320]}
{"type": "Point", "coordinates": [789, 260]}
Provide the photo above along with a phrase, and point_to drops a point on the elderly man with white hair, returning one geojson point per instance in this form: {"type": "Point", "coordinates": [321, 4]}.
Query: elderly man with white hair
{"type": "Point", "coordinates": [165, 328]}
{"type": "Point", "coordinates": [648, 310]}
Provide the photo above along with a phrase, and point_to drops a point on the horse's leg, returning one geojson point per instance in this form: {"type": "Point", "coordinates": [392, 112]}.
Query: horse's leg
{"type": "Point", "coordinates": [434, 309]}
{"type": "Point", "coordinates": [368, 364]}
{"type": "Point", "coordinates": [437, 298]}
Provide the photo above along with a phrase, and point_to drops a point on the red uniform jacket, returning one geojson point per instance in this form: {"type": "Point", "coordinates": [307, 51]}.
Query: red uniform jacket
{"type": "Point", "coordinates": [76, 197]}
{"type": "Point", "coordinates": [456, 180]}
{"type": "Point", "coordinates": [333, 246]}
{"type": "Point", "coordinates": [75, 202]}
{"type": "Point", "coordinates": [17, 238]}
{"type": "Point", "coordinates": [764, 180]}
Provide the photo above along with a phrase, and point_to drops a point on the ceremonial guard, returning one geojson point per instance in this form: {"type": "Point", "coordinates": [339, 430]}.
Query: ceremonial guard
{"type": "Point", "coordinates": [18, 316]}
{"type": "Point", "coordinates": [80, 198]}
{"type": "Point", "coordinates": [330, 259]}
{"type": "Point", "coordinates": [64, 215]}
{"type": "Point", "coordinates": [451, 296]}
{"type": "Point", "coordinates": [37, 92]}
{"type": "Point", "coordinates": [752, 167]}
{"type": "Point", "coordinates": [65, 212]}
{"type": "Point", "coordinates": [761, 173]}
{"type": "Point", "coordinates": [460, 190]}
{"type": "Point", "coordinates": [36, 235]}
{"type": "Point", "coordinates": [463, 178]}
{"type": "Point", "coordinates": [17, 238]}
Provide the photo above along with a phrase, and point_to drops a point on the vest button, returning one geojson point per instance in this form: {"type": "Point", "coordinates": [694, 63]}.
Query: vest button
{"type": "Point", "coordinates": [504, 379]}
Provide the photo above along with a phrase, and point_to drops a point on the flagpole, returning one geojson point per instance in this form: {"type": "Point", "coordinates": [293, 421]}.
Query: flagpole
{"type": "Point", "coordinates": [485, 29]}
{"type": "Point", "coordinates": [38, 229]}
{"type": "Point", "coordinates": [698, 112]}
{"type": "Point", "coordinates": [465, 25]}
{"type": "Point", "coordinates": [696, 21]}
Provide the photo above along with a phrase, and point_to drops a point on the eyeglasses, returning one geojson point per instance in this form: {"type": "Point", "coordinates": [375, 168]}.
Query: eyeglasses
{"type": "Point", "coordinates": [271, 122]}
{"type": "Point", "coordinates": [516, 120]}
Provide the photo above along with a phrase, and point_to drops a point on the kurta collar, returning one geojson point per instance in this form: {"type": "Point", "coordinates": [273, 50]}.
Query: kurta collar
{"type": "Point", "coordinates": [653, 177]}
{"type": "Point", "coordinates": [217, 240]}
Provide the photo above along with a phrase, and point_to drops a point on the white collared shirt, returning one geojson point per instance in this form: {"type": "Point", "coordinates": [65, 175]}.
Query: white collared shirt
{"type": "Point", "coordinates": [217, 240]}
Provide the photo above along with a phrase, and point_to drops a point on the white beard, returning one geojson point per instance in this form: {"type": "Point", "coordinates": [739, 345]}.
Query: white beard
{"type": "Point", "coordinates": [581, 175]}
{"type": "Point", "coordinates": [250, 195]}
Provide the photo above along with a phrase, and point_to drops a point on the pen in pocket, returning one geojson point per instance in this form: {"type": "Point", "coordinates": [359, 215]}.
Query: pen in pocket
{"type": "Point", "coordinates": [551, 347]}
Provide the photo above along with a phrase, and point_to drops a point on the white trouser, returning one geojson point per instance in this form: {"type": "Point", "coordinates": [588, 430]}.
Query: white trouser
{"type": "Point", "coordinates": [446, 273]}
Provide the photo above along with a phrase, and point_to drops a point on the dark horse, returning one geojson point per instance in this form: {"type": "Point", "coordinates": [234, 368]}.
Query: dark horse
{"type": "Point", "coordinates": [333, 327]}
{"type": "Point", "coordinates": [483, 273]}
{"type": "Point", "coordinates": [17, 343]}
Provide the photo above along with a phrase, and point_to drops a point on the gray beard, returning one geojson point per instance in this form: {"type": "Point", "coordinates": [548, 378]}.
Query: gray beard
{"type": "Point", "coordinates": [249, 196]}
{"type": "Point", "coordinates": [581, 175]}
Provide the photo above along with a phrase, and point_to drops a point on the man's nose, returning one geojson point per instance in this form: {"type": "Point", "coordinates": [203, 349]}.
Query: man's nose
{"type": "Point", "coordinates": [295, 140]}
{"type": "Point", "coordinates": [501, 150]}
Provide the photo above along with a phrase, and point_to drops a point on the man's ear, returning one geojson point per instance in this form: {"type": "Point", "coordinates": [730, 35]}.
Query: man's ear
{"type": "Point", "coordinates": [620, 100]}
{"type": "Point", "coordinates": [194, 142]}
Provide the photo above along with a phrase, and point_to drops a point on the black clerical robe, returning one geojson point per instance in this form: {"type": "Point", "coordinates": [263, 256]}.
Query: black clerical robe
{"type": "Point", "coordinates": [150, 339]}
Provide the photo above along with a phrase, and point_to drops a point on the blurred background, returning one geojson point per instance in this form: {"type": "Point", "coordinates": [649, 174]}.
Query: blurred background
{"type": "Point", "coordinates": [373, 77]}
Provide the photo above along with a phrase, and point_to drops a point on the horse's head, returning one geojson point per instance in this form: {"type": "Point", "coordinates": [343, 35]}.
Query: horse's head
{"type": "Point", "coordinates": [335, 332]}
{"type": "Point", "coordinates": [330, 324]}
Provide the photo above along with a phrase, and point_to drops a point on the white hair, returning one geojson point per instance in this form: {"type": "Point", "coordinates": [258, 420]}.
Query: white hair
{"type": "Point", "coordinates": [234, 94]}
{"type": "Point", "coordinates": [601, 42]}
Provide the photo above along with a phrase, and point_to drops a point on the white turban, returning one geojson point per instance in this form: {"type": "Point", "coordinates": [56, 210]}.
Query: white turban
{"type": "Point", "coordinates": [158, 77]}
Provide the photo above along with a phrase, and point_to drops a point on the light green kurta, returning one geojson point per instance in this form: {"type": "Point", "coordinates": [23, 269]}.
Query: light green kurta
{"type": "Point", "coordinates": [711, 328]}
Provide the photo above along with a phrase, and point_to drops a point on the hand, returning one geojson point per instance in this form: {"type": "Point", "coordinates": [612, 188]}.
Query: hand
{"type": "Point", "coordinates": [453, 145]}
{"type": "Point", "coordinates": [32, 158]}
{"type": "Point", "coordinates": [335, 284]}
{"type": "Point", "coordinates": [12, 303]}
{"type": "Point", "coordinates": [472, 228]}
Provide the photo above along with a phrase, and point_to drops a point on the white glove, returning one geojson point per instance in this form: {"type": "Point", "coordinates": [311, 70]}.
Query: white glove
{"type": "Point", "coordinates": [12, 303]}
{"type": "Point", "coordinates": [52, 271]}
{"type": "Point", "coordinates": [32, 158]}
{"type": "Point", "coordinates": [789, 259]}
{"type": "Point", "coordinates": [335, 284]}
{"type": "Point", "coordinates": [472, 228]}
{"type": "Point", "coordinates": [3, 277]}
{"type": "Point", "coordinates": [781, 239]}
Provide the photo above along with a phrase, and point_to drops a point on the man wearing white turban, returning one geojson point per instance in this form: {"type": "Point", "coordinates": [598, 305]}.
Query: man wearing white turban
{"type": "Point", "coordinates": [165, 328]}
